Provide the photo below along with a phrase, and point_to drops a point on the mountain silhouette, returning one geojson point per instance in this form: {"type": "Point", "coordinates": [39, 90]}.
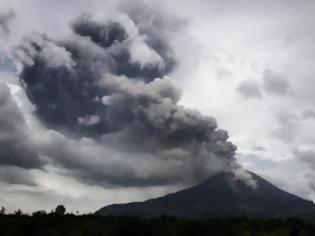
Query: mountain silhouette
{"type": "Point", "coordinates": [221, 195]}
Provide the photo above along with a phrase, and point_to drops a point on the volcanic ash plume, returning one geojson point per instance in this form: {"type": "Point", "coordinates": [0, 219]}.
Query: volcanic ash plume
{"type": "Point", "coordinates": [112, 110]}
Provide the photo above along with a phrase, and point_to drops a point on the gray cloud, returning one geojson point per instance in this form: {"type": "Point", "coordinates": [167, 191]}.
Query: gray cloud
{"type": "Point", "coordinates": [306, 156]}
{"type": "Point", "coordinates": [6, 64]}
{"type": "Point", "coordinates": [5, 17]}
{"type": "Point", "coordinates": [260, 149]}
{"type": "Point", "coordinates": [249, 89]}
{"type": "Point", "coordinates": [288, 126]}
{"type": "Point", "coordinates": [308, 114]}
{"type": "Point", "coordinates": [17, 176]}
{"type": "Point", "coordinates": [222, 72]}
{"type": "Point", "coordinates": [17, 154]}
{"type": "Point", "coordinates": [276, 83]}
{"type": "Point", "coordinates": [15, 149]}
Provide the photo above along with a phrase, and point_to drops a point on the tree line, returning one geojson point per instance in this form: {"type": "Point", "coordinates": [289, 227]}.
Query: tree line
{"type": "Point", "coordinates": [59, 222]}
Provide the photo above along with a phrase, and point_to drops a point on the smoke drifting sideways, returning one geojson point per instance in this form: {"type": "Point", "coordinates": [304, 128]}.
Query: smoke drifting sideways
{"type": "Point", "coordinates": [5, 18]}
{"type": "Point", "coordinates": [110, 111]}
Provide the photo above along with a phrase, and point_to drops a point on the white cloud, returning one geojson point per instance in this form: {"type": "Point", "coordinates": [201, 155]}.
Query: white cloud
{"type": "Point", "coordinates": [144, 55]}
{"type": "Point", "coordinates": [89, 120]}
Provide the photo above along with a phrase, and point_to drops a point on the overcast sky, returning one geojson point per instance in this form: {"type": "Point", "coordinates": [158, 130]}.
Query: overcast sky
{"type": "Point", "coordinates": [113, 101]}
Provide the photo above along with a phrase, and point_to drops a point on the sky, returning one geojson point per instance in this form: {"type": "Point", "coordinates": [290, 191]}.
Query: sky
{"type": "Point", "coordinates": [115, 101]}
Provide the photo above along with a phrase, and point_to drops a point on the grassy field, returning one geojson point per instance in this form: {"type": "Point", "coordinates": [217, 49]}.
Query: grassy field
{"type": "Point", "coordinates": [68, 224]}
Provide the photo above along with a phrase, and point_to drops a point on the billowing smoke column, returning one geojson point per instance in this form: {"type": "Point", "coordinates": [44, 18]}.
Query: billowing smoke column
{"type": "Point", "coordinates": [62, 78]}
{"type": "Point", "coordinates": [109, 82]}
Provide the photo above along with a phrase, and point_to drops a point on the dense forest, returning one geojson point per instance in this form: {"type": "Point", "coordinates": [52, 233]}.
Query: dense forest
{"type": "Point", "coordinates": [58, 223]}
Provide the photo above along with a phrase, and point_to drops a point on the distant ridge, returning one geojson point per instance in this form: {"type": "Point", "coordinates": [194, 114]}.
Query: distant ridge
{"type": "Point", "coordinates": [220, 195]}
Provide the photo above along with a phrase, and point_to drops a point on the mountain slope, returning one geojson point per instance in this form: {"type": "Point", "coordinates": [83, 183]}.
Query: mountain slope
{"type": "Point", "coordinates": [219, 196]}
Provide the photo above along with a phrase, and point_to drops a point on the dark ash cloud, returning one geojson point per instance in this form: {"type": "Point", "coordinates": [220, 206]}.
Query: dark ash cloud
{"type": "Point", "coordinates": [101, 34]}
{"type": "Point", "coordinates": [61, 77]}
{"type": "Point", "coordinates": [112, 113]}
{"type": "Point", "coordinates": [130, 51]}
{"type": "Point", "coordinates": [153, 141]}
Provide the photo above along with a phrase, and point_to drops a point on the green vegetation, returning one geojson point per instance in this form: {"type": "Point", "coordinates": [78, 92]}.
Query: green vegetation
{"type": "Point", "coordinates": [58, 223]}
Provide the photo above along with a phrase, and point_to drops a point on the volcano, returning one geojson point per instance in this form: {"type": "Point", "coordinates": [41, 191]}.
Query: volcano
{"type": "Point", "coordinates": [219, 196]}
